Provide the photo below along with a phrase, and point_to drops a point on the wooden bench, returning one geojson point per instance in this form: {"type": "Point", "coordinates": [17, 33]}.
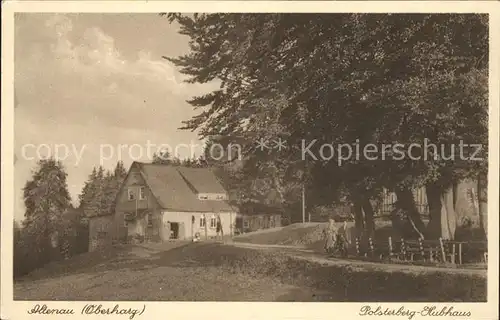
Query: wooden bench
{"type": "Point", "coordinates": [449, 250]}
{"type": "Point", "coordinates": [410, 248]}
{"type": "Point", "coordinates": [359, 250]}
{"type": "Point", "coordinates": [426, 250]}
{"type": "Point", "coordinates": [376, 249]}
{"type": "Point", "coordinates": [455, 250]}
{"type": "Point", "coordinates": [482, 247]}
{"type": "Point", "coordinates": [430, 249]}
{"type": "Point", "coordinates": [363, 248]}
{"type": "Point", "coordinates": [384, 249]}
{"type": "Point", "coordinates": [473, 249]}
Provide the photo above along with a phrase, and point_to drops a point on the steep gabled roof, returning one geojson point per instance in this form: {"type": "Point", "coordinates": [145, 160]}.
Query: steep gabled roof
{"type": "Point", "coordinates": [203, 180]}
{"type": "Point", "coordinates": [172, 189]}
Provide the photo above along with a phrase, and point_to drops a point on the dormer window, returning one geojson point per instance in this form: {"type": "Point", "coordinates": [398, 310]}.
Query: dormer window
{"type": "Point", "coordinates": [142, 193]}
{"type": "Point", "coordinates": [212, 196]}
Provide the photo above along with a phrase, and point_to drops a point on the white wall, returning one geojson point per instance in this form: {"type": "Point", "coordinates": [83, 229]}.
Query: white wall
{"type": "Point", "coordinates": [228, 222]}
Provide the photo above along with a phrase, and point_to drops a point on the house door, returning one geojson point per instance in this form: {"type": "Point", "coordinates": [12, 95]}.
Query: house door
{"type": "Point", "coordinates": [177, 230]}
{"type": "Point", "coordinates": [239, 223]}
{"type": "Point", "coordinates": [174, 230]}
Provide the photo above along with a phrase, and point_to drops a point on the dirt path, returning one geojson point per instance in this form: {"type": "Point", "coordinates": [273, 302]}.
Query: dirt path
{"type": "Point", "coordinates": [310, 255]}
{"type": "Point", "coordinates": [152, 272]}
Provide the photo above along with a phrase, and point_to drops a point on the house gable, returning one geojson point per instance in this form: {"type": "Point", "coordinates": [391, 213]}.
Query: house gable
{"type": "Point", "coordinates": [132, 185]}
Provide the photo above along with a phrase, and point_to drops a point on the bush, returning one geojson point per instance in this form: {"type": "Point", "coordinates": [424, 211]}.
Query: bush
{"type": "Point", "coordinates": [32, 249]}
{"type": "Point", "coordinates": [29, 250]}
{"type": "Point", "coordinates": [339, 213]}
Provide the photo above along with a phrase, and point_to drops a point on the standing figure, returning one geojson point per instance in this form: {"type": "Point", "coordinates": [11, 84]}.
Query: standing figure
{"type": "Point", "coordinates": [330, 234]}
{"type": "Point", "coordinates": [219, 228]}
{"type": "Point", "coordinates": [343, 239]}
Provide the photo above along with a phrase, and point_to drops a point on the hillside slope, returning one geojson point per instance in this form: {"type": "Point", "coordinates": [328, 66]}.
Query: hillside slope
{"type": "Point", "coordinates": [198, 271]}
{"type": "Point", "coordinates": [308, 235]}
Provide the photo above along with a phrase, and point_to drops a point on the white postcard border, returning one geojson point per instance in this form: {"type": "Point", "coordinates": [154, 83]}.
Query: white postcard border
{"type": "Point", "coordinates": [242, 310]}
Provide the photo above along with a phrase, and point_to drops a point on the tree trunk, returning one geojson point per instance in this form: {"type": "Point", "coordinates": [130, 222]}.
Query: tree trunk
{"type": "Point", "coordinates": [433, 193]}
{"type": "Point", "coordinates": [358, 218]}
{"type": "Point", "coordinates": [407, 203]}
{"type": "Point", "coordinates": [482, 194]}
{"type": "Point", "coordinates": [448, 215]}
{"type": "Point", "coordinates": [369, 222]}
{"type": "Point", "coordinates": [279, 188]}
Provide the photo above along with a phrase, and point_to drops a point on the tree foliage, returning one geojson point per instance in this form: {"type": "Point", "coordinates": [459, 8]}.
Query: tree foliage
{"type": "Point", "coordinates": [99, 192]}
{"type": "Point", "coordinates": [164, 157]}
{"type": "Point", "coordinates": [341, 78]}
{"type": "Point", "coordinates": [49, 230]}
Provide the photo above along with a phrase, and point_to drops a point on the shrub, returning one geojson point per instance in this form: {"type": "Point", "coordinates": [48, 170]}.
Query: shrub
{"type": "Point", "coordinates": [32, 249]}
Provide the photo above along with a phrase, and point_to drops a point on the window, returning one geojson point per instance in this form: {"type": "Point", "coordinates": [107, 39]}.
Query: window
{"type": "Point", "coordinates": [220, 197]}
{"type": "Point", "coordinates": [213, 222]}
{"type": "Point", "coordinates": [142, 193]}
{"type": "Point", "coordinates": [131, 195]}
{"type": "Point", "coordinates": [246, 223]}
{"type": "Point", "coordinates": [125, 223]}
{"type": "Point", "coordinates": [150, 219]}
{"type": "Point", "coordinates": [203, 197]}
{"type": "Point", "coordinates": [202, 221]}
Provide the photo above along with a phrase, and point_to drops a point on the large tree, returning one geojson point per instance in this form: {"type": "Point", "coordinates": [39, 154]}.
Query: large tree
{"type": "Point", "coordinates": [46, 199]}
{"type": "Point", "coordinates": [367, 78]}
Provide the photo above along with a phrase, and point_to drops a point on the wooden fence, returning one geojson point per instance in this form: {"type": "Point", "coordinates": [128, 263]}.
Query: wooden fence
{"type": "Point", "coordinates": [440, 251]}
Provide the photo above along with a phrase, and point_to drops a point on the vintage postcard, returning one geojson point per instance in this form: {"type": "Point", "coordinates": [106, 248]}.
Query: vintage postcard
{"type": "Point", "coordinates": [182, 159]}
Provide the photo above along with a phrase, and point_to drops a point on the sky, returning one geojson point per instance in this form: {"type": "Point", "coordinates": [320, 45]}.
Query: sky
{"type": "Point", "coordinates": [90, 86]}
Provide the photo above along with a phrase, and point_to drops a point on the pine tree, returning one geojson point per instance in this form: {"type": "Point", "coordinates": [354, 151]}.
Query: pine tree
{"type": "Point", "coordinates": [119, 176]}
{"type": "Point", "coordinates": [89, 195]}
{"type": "Point", "coordinates": [99, 193]}
{"type": "Point", "coordinates": [162, 157]}
{"type": "Point", "coordinates": [108, 193]}
{"type": "Point", "coordinates": [119, 172]}
{"type": "Point", "coordinates": [101, 188]}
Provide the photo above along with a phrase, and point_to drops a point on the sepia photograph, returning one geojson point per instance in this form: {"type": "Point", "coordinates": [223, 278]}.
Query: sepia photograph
{"type": "Point", "coordinates": [251, 156]}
